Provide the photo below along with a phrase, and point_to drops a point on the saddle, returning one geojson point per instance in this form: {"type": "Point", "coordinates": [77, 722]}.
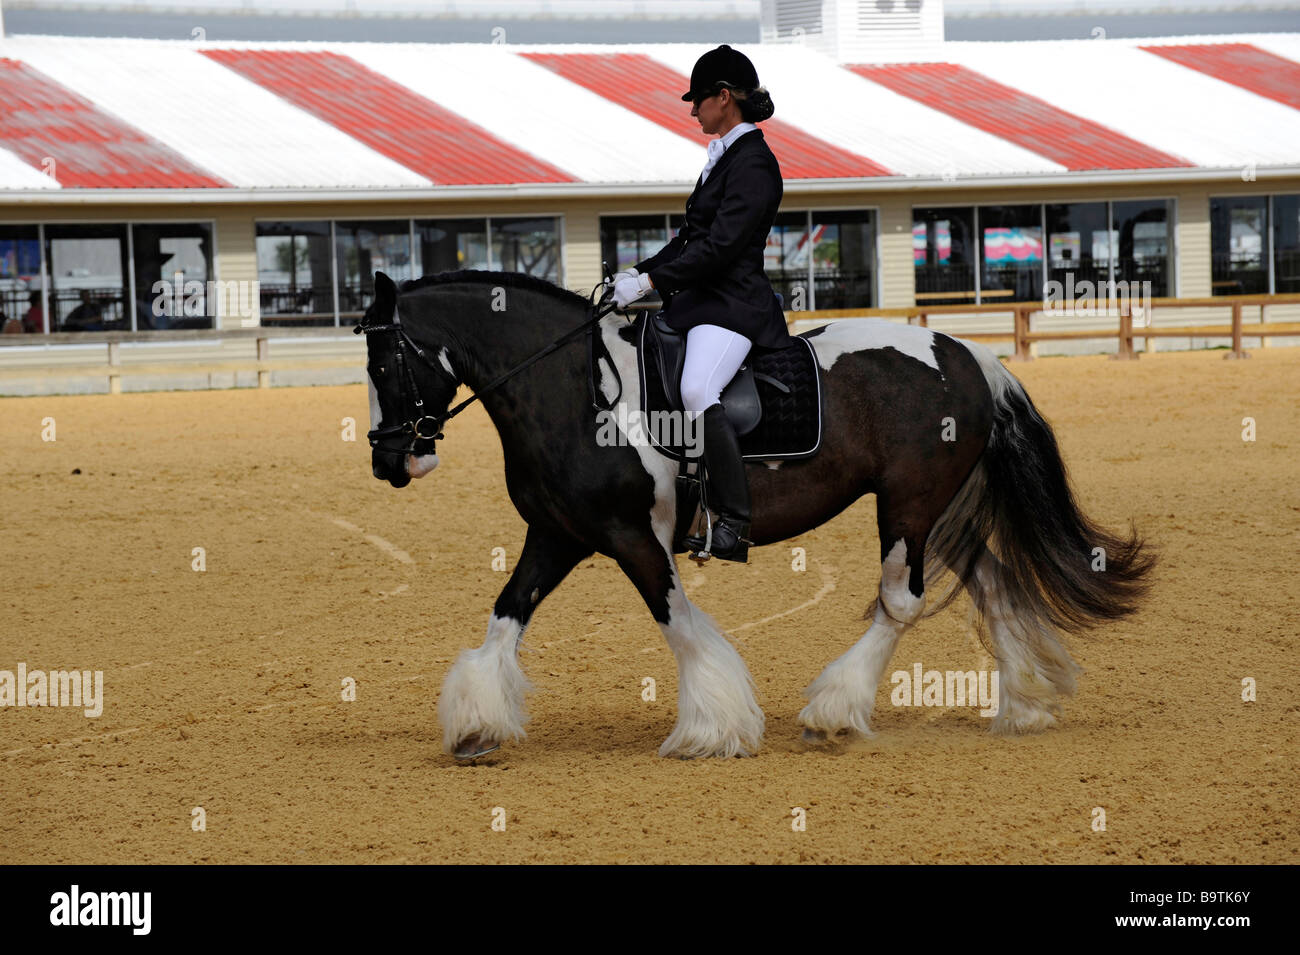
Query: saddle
{"type": "Point", "coordinates": [774, 401]}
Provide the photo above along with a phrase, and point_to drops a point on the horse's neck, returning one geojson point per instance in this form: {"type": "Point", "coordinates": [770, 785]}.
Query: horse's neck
{"type": "Point", "coordinates": [486, 341]}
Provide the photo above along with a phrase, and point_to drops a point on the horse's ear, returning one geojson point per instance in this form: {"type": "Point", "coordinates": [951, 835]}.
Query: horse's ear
{"type": "Point", "coordinates": [385, 297]}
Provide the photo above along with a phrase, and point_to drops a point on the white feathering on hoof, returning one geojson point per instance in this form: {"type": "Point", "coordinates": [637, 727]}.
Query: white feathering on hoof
{"type": "Point", "coordinates": [483, 694]}
{"type": "Point", "coordinates": [716, 711]}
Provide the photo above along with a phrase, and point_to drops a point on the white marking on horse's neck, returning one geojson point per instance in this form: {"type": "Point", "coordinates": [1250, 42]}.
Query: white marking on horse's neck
{"type": "Point", "coordinates": [445, 361]}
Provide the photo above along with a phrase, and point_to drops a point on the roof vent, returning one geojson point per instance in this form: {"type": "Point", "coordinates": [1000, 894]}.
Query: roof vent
{"type": "Point", "coordinates": [856, 31]}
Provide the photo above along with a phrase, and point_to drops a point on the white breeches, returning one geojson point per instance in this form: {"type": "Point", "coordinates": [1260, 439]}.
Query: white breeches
{"type": "Point", "coordinates": [713, 356]}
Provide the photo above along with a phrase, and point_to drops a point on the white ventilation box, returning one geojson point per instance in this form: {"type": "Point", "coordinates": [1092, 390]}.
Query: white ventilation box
{"type": "Point", "coordinates": [856, 31]}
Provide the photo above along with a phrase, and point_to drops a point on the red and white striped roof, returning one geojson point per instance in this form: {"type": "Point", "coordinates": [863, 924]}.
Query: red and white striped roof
{"type": "Point", "coordinates": [231, 118]}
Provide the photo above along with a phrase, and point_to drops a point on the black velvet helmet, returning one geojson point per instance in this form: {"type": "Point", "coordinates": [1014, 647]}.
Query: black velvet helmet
{"type": "Point", "coordinates": [720, 65]}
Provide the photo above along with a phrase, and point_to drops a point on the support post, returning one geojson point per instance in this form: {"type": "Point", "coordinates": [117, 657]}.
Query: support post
{"type": "Point", "coordinates": [263, 354]}
{"type": "Point", "coordinates": [1237, 350]}
{"type": "Point", "coordinates": [114, 368]}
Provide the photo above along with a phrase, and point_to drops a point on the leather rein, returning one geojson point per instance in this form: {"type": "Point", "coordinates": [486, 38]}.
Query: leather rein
{"type": "Point", "coordinates": [422, 427]}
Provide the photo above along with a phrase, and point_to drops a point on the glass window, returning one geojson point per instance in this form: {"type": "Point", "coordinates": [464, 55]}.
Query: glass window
{"type": "Point", "coordinates": [1011, 250]}
{"type": "Point", "coordinates": [1286, 244]}
{"type": "Point", "coordinates": [627, 240]}
{"type": "Point", "coordinates": [294, 273]}
{"type": "Point", "coordinates": [527, 245]}
{"type": "Point", "coordinates": [786, 258]}
{"type": "Point", "coordinates": [1142, 235]}
{"type": "Point", "coordinates": [1078, 245]}
{"type": "Point", "coordinates": [20, 278]}
{"type": "Point", "coordinates": [180, 255]}
{"type": "Point", "coordinates": [362, 249]}
{"type": "Point", "coordinates": [943, 252]}
{"type": "Point", "coordinates": [844, 258]}
{"type": "Point", "coordinates": [87, 265]}
{"type": "Point", "coordinates": [447, 245]}
{"type": "Point", "coordinates": [1238, 240]}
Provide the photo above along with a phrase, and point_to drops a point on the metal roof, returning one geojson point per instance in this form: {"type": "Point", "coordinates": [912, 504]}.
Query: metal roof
{"type": "Point", "coordinates": [1241, 64]}
{"type": "Point", "coordinates": [1073, 141]}
{"type": "Point", "coordinates": [315, 119]}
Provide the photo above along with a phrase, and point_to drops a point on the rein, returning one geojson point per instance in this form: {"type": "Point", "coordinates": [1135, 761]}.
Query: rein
{"type": "Point", "coordinates": [406, 377]}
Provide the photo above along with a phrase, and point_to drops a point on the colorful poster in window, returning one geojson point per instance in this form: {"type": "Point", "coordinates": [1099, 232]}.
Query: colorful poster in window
{"type": "Point", "coordinates": [942, 242]}
{"type": "Point", "coordinates": [19, 258]}
{"type": "Point", "coordinates": [1066, 247]}
{"type": "Point", "coordinates": [1013, 245]}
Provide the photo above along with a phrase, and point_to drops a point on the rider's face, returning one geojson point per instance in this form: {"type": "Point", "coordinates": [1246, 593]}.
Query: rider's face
{"type": "Point", "coordinates": [710, 111]}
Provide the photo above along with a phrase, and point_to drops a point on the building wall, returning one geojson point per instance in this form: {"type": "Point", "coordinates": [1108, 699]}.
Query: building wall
{"type": "Point", "coordinates": [236, 247]}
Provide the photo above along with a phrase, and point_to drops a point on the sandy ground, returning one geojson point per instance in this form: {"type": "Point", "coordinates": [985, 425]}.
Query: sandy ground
{"type": "Point", "coordinates": [223, 687]}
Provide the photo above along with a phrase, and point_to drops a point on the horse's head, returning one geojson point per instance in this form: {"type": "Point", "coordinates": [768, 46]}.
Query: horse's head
{"type": "Point", "coordinates": [411, 385]}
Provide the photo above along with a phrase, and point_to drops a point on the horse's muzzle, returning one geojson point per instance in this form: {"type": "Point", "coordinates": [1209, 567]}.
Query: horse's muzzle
{"type": "Point", "coordinates": [390, 466]}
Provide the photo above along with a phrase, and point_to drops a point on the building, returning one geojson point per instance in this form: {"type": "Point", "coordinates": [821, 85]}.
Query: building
{"type": "Point", "coordinates": [174, 184]}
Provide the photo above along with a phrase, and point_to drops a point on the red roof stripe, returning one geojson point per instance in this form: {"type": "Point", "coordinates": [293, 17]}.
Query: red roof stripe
{"type": "Point", "coordinates": [1017, 117]}
{"type": "Point", "coordinates": [46, 124]}
{"type": "Point", "coordinates": [645, 86]}
{"type": "Point", "coordinates": [1241, 64]}
{"type": "Point", "coordinates": [389, 118]}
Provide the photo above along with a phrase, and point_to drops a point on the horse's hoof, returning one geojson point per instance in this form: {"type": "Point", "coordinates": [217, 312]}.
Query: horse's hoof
{"type": "Point", "coordinates": [815, 737]}
{"type": "Point", "coordinates": [473, 747]}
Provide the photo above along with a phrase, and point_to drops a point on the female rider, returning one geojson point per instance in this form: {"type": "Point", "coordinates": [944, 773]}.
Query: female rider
{"type": "Point", "coordinates": [711, 274]}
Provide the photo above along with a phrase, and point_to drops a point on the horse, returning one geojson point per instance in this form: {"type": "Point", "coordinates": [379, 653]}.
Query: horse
{"type": "Point", "coordinates": [971, 495]}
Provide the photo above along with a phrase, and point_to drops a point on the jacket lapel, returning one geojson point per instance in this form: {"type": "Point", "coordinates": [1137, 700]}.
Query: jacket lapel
{"type": "Point", "coordinates": [753, 136]}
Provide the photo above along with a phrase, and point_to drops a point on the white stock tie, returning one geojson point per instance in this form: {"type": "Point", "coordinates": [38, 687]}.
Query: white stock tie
{"type": "Point", "coordinates": [716, 149]}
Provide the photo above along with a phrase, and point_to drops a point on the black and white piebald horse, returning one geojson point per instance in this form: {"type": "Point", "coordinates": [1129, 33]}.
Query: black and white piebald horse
{"type": "Point", "coordinates": [970, 487]}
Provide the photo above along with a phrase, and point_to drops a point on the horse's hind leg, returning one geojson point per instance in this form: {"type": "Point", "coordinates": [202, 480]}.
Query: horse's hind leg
{"type": "Point", "coordinates": [843, 696]}
{"type": "Point", "coordinates": [1035, 670]}
{"type": "Point", "coordinates": [482, 700]}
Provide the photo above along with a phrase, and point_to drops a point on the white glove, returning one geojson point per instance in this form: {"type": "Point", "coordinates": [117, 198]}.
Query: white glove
{"type": "Point", "coordinates": [629, 288]}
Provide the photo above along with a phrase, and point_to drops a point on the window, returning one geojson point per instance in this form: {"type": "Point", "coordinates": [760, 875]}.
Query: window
{"type": "Point", "coordinates": [1091, 242]}
{"type": "Point", "coordinates": [1286, 244]}
{"type": "Point", "coordinates": [1078, 244]}
{"type": "Point", "coordinates": [20, 277]}
{"type": "Point", "coordinates": [447, 245]}
{"type": "Point", "coordinates": [627, 240]}
{"type": "Point", "coordinates": [814, 259]}
{"type": "Point", "coordinates": [787, 259]}
{"type": "Point", "coordinates": [531, 246]}
{"type": "Point", "coordinates": [294, 273]}
{"type": "Point", "coordinates": [180, 255]}
{"type": "Point", "coordinates": [88, 285]}
{"type": "Point", "coordinates": [1011, 253]}
{"type": "Point", "coordinates": [943, 253]}
{"type": "Point", "coordinates": [362, 249]}
{"type": "Point", "coordinates": [1238, 240]}
{"type": "Point", "coordinates": [1142, 230]}
{"type": "Point", "coordinates": [844, 259]}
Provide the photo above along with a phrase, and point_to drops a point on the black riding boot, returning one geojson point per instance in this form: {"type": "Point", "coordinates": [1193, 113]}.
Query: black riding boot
{"type": "Point", "coordinates": [728, 487]}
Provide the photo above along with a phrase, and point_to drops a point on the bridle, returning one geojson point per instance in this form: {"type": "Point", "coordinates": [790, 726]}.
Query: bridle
{"type": "Point", "coordinates": [423, 429]}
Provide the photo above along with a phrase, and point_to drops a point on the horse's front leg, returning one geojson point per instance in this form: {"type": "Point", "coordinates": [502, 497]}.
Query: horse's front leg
{"type": "Point", "coordinates": [717, 714]}
{"type": "Point", "coordinates": [482, 700]}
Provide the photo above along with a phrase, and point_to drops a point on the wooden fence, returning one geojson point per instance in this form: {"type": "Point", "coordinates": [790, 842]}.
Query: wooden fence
{"type": "Point", "coordinates": [1131, 321]}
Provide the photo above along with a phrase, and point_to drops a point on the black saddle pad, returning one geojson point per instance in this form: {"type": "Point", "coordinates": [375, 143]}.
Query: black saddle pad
{"type": "Point", "coordinates": [791, 423]}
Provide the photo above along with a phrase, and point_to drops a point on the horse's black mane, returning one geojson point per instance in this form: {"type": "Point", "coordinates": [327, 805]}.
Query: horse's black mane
{"type": "Point", "coordinates": [508, 279]}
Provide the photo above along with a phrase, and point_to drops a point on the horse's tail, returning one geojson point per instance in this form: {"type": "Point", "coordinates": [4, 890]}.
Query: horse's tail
{"type": "Point", "coordinates": [1016, 538]}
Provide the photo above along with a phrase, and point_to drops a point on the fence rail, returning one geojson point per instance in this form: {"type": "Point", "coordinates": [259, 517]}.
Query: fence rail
{"type": "Point", "coordinates": [1131, 322]}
